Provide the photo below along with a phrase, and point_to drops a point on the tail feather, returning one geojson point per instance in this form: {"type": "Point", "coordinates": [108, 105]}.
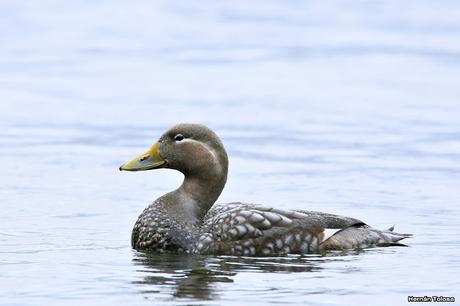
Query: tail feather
{"type": "Point", "coordinates": [391, 236]}
{"type": "Point", "coordinates": [362, 236]}
{"type": "Point", "coordinates": [390, 229]}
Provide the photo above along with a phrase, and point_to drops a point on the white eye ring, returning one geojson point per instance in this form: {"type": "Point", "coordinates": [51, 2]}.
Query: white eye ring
{"type": "Point", "coordinates": [179, 137]}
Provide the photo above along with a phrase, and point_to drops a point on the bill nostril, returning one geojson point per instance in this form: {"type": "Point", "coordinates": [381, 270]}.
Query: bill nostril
{"type": "Point", "coordinates": [143, 158]}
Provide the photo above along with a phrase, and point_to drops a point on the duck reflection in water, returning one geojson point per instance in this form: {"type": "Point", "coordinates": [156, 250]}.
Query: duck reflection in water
{"type": "Point", "coordinates": [195, 277]}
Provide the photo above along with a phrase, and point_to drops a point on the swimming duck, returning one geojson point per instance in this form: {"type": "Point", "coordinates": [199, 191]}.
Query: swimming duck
{"type": "Point", "coordinates": [187, 219]}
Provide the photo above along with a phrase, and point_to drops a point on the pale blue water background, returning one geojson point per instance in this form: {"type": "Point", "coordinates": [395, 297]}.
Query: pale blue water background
{"type": "Point", "coordinates": [348, 107]}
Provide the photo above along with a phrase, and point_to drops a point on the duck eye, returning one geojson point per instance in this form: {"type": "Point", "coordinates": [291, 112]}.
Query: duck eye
{"type": "Point", "coordinates": [178, 137]}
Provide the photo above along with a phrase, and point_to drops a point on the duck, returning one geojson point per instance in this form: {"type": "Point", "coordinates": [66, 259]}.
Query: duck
{"type": "Point", "coordinates": [189, 220]}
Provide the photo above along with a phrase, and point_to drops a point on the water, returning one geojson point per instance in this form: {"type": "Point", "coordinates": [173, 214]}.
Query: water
{"type": "Point", "coordinates": [347, 107]}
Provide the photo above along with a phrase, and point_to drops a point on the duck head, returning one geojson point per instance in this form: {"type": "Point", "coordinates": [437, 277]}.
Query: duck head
{"type": "Point", "coordinates": [192, 149]}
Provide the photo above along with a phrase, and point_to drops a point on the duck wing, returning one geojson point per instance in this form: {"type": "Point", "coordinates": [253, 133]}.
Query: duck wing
{"type": "Point", "coordinates": [255, 230]}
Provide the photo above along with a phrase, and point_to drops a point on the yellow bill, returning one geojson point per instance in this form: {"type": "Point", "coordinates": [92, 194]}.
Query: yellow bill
{"type": "Point", "coordinates": [147, 161]}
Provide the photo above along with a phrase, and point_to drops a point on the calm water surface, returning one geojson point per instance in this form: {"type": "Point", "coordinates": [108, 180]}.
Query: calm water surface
{"type": "Point", "coordinates": [348, 107]}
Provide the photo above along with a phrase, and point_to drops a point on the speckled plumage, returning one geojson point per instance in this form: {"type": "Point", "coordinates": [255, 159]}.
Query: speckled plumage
{"type": "Point", "coordinates": [156, 230]}
{"type": "Point", "coordinates": [187, 219]}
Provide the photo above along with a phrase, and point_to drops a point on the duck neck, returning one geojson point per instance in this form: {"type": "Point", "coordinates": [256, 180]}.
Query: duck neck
{"type": "Point", "coordinates": [192, 200]}
{"type": "Point", "coordinates": [201, 193]}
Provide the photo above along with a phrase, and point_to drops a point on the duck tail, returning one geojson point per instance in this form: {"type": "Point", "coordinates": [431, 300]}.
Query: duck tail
{"type": "Point", "coordinates": [391, 238]}
{"type": "Point", "coordinates": [361, 235]}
